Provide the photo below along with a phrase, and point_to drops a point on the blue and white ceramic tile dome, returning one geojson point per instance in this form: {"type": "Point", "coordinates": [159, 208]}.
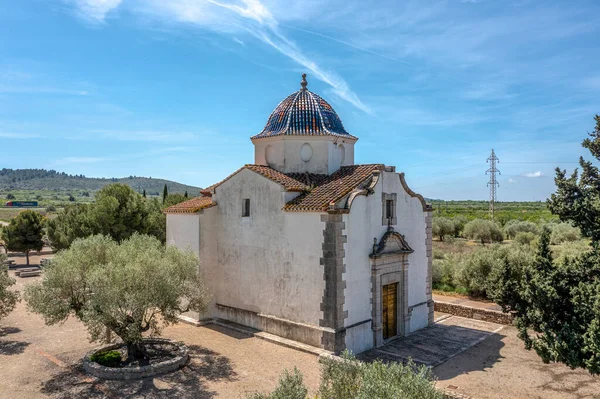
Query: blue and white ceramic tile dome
{"type": "Point", "coordinates": [303, 113]}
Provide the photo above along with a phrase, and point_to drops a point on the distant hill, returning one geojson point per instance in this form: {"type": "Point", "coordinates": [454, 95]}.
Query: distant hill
{"type": "Point", "coordinates": [42, 179]}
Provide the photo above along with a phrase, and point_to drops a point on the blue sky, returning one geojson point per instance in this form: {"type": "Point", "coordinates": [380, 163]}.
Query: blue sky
{"type": "Point", "coordinates": [174, 89]}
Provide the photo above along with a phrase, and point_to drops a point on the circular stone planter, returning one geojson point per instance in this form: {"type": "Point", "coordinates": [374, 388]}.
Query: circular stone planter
{"type": "Point", "coordinates": [136, 372]}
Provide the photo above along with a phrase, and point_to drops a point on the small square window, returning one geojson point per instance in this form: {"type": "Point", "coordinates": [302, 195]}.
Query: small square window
{"type": "Point", "coordinates": [246, 207]}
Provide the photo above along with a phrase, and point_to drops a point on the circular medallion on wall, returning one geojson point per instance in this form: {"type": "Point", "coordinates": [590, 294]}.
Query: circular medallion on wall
{"type": "Point", "coordinates": [342, 150]}
{"type": "Point", "coordinates": [269, 154]}
{"type": "Point", "coordinates": [306, 152]}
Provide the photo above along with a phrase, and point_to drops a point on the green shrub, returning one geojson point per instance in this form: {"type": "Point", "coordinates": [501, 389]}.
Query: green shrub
{"type": "Point", "coordinates": [484, 231]}
{"type": "Point", "coordinates": [291, 386]}
{"type": "Point", "coordinates": [349, 378]}
{"type": "Point", "coordinates": [474, 271]}
{"type": "Point", "coordinates": [525, 238]}
{"type": "Point", "coordinates": [570, 250]}
{"type": "Point", "coordinates": [443, 270]}
{"type": "Point", "coordinates": [50, 208]}
{"type": "Point", "coordinates": [564, 232]}
{"type": "Point", "coordinates": [514, 227]}
{"type": "Point", "coordinates": [107, 359]}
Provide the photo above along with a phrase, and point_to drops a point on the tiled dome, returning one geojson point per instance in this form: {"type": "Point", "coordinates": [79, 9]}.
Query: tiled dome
{"type": "Point", "coordinates": [303, 113]}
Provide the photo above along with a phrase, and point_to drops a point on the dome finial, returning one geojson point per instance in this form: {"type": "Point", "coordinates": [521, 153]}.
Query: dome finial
{"type": "Point", "coordinates": [304, 83]}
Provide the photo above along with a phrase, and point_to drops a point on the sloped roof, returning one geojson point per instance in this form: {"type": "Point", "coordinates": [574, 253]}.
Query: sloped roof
{"type": "Point", "coordinates": [191, 206]}
{"type": "Point", "coordinates": [318, 190]}
{"type": "Point", "coordinates": [290, 181]}
{"type": "Point", "coordinates": [332, 188]}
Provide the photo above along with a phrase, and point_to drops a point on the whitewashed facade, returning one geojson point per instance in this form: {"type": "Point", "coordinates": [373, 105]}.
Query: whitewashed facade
{"type": "Point", "coordinates": [307, 245]}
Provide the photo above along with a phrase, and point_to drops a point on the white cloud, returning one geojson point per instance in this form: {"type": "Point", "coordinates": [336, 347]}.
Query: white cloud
{"type": "Point", "coordinates": [250, 17]}
{"type": "Point", "coordinates": [533, 174]}
{"type": "Point", "coordinates": [145, 135]}
{"type": "Point", "coordinates": [75, 160]}
{"type": "Point", "coordinates": [94, 10]}
{"type": "Point", "coordinates": [511, 180]}
{"type": "Point", "coordinates": [11, 135]}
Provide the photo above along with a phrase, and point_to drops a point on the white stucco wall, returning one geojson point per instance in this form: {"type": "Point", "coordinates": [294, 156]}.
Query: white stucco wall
{"type": "Point", "coordinates": [183, 231]}
{"type": "Point", "coordinates": [267, 263]}
{"type": "Point", "coordinates": [363, 224]}
{"type": "Point", "coordinates": [284, 153]}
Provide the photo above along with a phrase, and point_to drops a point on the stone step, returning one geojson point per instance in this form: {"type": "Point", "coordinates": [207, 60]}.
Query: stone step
{"type": "Point", "coordinates": [288, 343]}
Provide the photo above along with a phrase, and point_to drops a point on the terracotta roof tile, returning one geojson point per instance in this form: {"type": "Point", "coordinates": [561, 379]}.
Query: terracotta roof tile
{"type": "Point", "coordinates": [332, 188]}
{"type": "Point", "coordinates": [291, 181]}
{"type": "Point", "coordinates": [191, 206]}
{"type": "Point", "coordinates": [319, 189]}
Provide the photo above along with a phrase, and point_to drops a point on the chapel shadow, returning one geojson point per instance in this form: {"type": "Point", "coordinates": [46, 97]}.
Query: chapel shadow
{"type": "Point", "coordinates": [435, 345]}
{"type": "Point", "coordinates": [189, 382]}
{"type": "Point", "coordinates": [480, 357]}
{"type": "Point", "coordinates": [231, 330]}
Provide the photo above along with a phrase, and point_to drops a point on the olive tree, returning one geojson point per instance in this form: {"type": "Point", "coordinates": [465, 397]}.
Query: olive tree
{"type": "Point", "coordinates": [8, 298]}
{"type": "Point", "coordinates": [514, 227]}
{"type": "Point", "coordinates": [484, 231]}
{"type": "Point", "coordinates": [24, 233]}
{"type": "Point", "coordinates": [442, 227]}
{"type": "Point", "coordinates": [130, 288]}
{"type": "Point", "coordinates": [459, 223]}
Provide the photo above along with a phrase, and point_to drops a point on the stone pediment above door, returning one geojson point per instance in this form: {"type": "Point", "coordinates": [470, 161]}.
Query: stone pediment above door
{"type": "Point", "coordinates": [392, 243]}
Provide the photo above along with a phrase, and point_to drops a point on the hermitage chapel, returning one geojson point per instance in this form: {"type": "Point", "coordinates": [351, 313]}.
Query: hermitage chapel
{"type": "Point", "coordinates": [307, 245]}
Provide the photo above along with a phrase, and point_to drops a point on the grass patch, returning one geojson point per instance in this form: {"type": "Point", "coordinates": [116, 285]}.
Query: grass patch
{"type": "Point", "coordinates": [107, 359]}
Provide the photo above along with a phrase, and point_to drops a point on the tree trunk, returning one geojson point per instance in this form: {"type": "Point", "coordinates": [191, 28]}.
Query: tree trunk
{"type": "Point", "coordinates": [27, 256]}
{"type": "Point", "coordinates": [136, 351]}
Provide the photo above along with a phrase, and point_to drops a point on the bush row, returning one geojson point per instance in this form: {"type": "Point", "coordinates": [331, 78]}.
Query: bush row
{"type": "Point", "coordinates": [487, 231]}
{"type": "Point", "coordinates": [348, 378]}
{"type": "Point", "coordinates": [477, 273]}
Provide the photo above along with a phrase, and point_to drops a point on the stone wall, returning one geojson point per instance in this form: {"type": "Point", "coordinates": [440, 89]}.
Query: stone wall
{"type": "Point", "coordinates": [136, 372]}
{"type": "Point", "coordinates": [492, 316]}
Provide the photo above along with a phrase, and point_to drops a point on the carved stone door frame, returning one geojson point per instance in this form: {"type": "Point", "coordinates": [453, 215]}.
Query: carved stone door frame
{"type": "Point", "coordinates": [389, 265]}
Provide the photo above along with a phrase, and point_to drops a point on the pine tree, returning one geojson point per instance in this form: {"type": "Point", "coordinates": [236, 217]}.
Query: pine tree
{"type": "Point", "coordinates": [24, 233]}
{"type": "Point", "coordinates": [185, 194]}
{"type": "Point", "coordinates": [557, 305]}
{"type": "Point", "coordinates": [165, 193]}
{"type": "Point", "coordinates": [144, 193]}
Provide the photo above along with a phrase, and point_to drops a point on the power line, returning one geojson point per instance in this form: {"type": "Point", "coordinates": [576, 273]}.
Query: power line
{"type": "Point", "coordinates": [492, 184]}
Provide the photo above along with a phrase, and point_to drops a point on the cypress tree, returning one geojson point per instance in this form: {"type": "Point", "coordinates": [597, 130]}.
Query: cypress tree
{"type": "Point", "coordinates": [165, 193]}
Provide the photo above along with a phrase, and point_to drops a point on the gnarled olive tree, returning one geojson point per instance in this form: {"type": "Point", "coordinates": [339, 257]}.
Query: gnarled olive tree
{"type": "Point", "coordinates": [130, 288]}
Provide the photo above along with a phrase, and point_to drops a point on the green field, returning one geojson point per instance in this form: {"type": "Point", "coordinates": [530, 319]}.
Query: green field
{"type": "Point", "coordinates": [504, 211]}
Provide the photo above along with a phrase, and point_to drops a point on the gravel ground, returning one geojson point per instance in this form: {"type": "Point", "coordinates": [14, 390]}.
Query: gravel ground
{"type": "Point", "coordinates": [500, 367]}
{"type": "Point", "coordinates": [37, 361]}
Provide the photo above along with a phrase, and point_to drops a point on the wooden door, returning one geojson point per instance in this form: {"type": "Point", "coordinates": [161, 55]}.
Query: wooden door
{"type": "Point", "coordinates": [390, 310]}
